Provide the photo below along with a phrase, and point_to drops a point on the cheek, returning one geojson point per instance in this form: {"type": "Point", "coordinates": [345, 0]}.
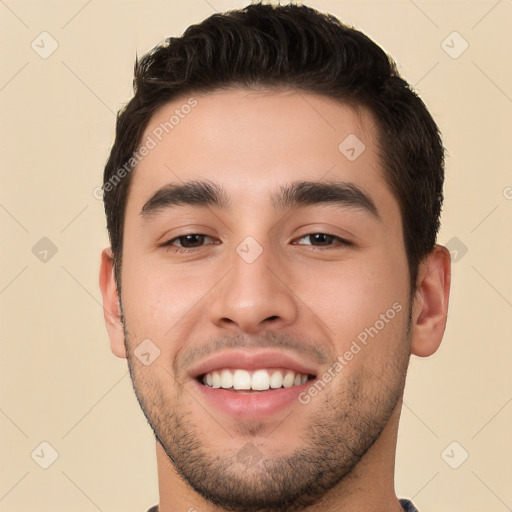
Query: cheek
{"type": "Point", "coordinates": [351, 297]}
{"type": "Point", "coordinates": [157, 297]}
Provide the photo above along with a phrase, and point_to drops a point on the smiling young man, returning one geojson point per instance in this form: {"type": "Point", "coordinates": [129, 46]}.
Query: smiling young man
{"type": "Point", "coordinates": [273, 198]}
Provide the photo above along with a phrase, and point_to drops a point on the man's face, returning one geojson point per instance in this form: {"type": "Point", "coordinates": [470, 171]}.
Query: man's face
{"type": "Point", "coordinates": [275, 282]}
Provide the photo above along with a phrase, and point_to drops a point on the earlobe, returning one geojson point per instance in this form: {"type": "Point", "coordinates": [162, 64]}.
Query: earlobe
{"type": "Point", "coordinates": [430, 308]}
{"type": "Point", "coordinates": [111, 304]}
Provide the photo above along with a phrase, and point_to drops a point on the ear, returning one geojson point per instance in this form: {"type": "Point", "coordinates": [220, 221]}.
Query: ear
{"type": "Point", "coordinates": [430, 308]}
{"type": "Point", "coordinates": [111, 305]}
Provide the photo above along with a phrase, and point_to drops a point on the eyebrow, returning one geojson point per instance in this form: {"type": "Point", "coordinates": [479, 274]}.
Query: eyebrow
{"type": "Point", "coordinates": [294, 195]}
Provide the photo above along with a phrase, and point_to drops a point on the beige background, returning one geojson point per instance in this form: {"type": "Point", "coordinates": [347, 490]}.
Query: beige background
{"type": "Point", "coordinates": [60, 383]}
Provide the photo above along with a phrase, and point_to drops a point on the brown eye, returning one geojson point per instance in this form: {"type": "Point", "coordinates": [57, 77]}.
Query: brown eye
{"type": "Point", "coordinates": [190, 241]}
{"type": "Point", "coordinates": [323, 240]}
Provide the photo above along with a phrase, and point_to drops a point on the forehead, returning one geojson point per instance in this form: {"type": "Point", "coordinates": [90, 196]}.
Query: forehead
{"type": "Point", "coordinates": [253, 141]}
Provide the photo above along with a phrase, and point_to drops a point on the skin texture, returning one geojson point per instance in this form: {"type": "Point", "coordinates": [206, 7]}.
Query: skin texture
{"type": "Point", "coordinates": [303, 296]}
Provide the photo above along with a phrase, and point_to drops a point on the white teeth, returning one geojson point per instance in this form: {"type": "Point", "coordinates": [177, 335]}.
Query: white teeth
{"type": "Point", "coordinates": [259, 380]}
{"type": "Point", "coordinates": [241, 379]}
{"type": "Point", "coordinates": [288, 379]}
{"type": "Point", "coordinates": [226, 379]}
{"type": "Point", "coordinates": [276, 381]}
{"type": "Point", "coordinates": [215, 380]}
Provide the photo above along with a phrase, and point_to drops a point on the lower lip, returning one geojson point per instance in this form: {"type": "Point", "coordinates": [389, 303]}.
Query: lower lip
{"type": "Point", "coordinates": [252, 405]}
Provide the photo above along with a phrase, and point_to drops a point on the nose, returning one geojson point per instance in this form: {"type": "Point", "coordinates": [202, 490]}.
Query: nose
{"type": "Point", "coordinates": [253, 296]}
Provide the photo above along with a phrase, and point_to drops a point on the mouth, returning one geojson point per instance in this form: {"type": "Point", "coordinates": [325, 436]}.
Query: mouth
{"type": "Point", "coordinates": [252, 384]}
{"type": "Point", "coordinates": [260, 380]}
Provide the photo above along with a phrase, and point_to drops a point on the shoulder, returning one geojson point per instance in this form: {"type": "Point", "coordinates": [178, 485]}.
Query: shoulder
{"type": "Point", "coordinates": [406, 505]}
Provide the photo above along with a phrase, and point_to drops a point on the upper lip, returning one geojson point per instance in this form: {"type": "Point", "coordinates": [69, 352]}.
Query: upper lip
{"type": "Point", "coordinates": [251, 360]}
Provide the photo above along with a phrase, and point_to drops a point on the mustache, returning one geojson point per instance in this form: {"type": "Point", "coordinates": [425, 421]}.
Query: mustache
{"type": "Point", "coordinates": [318, 351]}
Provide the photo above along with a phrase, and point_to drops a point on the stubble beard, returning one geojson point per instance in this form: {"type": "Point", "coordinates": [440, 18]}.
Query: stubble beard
{"type": "Point", "coordinates": [330, 445]}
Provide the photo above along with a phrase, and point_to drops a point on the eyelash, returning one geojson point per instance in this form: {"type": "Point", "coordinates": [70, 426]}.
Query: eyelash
{"type": "Point", "coordinates": [170, 246]}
